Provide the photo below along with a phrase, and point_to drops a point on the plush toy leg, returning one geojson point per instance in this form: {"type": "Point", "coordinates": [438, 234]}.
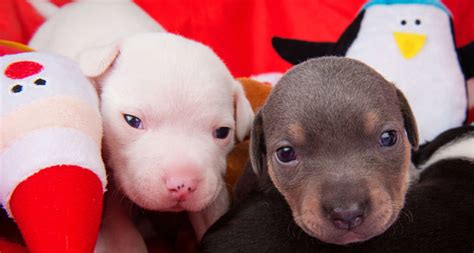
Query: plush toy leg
{"type": "Point", "coordinates": [59, 209]}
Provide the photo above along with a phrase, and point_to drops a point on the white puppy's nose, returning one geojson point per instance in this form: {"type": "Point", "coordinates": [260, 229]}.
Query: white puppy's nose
{"type": "Point", "coordinates": [181, 187]}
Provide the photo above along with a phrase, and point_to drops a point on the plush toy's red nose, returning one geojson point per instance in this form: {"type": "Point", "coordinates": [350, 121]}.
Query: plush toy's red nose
{"type": "Point", "coordinates": [22, 69]}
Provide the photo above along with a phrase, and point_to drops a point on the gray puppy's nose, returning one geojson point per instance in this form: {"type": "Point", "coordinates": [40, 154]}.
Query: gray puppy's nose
{"type": "Point", "coordinates": [347, 218]}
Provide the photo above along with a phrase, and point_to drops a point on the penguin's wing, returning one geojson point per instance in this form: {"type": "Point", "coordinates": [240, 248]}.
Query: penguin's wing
{"type": "Point", "coordinates": [296, 51]}
{"type": "Point", "coordinates": [466, 59]}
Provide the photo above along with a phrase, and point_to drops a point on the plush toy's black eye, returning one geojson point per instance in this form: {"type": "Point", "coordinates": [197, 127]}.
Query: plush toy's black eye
{"type": "Point", "coordinates": [417, 22]}
{"type": "Point", "coordinates": [403, 22]}
{"type": "Point", "coordinates": [221, 132]}
{"type": "Point", "coordinates": [40, 81]}
{"type": "Point", "coordinates": [388, 138]}
{"type": "Point", "coordinates": [17, 88]}
{"type": "Point", "coordinates": [286, 154]}
{"type": "Point", "coordinates": [133, 121]}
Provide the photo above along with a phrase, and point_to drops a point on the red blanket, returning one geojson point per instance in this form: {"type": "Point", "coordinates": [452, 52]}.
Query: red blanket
{"type": "Point", "coordinates": [240, 30]}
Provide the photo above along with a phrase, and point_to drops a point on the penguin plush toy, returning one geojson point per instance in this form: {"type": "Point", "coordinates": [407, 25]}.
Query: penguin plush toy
{"type": "Point", "coordinates": [411, 43]}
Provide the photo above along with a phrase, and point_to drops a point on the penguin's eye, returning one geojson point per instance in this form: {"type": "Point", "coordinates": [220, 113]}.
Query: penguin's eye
{"type": "Point", "coordinates": [417, 22]}
{"type": "Point", "coordinates": [403, 22]}
{"type": "Point", "coordinates": [133, 121]}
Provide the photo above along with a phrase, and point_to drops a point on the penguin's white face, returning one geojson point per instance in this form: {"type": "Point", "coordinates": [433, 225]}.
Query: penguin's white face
{"type": "Point", "coordinates": [412, 46]}
{"type": "Point", "coordinates": [410, 27]}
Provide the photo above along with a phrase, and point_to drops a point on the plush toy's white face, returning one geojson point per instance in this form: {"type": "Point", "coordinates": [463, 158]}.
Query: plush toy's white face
{"type": "Point", "coordinates": [29, 77]}
{"type": "Point", "coordinates": [22, 82]}
{"type": "Point", "coordinates": [412, 45]}
{"type": "Point", "coordinates": [169, 109]}
{"type": "Point", "coordinates": [49, 115]}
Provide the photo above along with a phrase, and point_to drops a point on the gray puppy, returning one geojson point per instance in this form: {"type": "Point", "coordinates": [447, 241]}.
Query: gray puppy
{"type": "Point", "coordinates": [335, 139]}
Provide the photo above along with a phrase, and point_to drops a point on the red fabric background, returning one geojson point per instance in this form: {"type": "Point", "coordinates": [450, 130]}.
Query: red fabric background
{"type": "Point", "coordinates": [240, 30]}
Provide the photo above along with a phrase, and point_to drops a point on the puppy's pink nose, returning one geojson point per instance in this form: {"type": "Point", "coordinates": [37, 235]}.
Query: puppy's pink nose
{"type": "Point", "coordinates": [347, 219]}
{"type": "Point", "coordinates": [181, 187]}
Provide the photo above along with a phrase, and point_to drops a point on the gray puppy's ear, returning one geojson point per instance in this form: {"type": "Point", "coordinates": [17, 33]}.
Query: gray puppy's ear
{"type": "Point", "coordinates": [257, 145]}
{"type": "Point", "coordinates": [409, 120]}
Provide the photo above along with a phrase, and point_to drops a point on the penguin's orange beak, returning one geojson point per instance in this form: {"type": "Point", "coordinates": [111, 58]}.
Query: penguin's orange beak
{"type": "Point", "coordinates": [409, 44]}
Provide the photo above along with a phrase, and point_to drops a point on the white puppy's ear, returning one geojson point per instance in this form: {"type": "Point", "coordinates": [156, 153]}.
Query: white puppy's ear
{"type": "Point", "coordinates": [97, 60]}
{"type": "Point", "coordinates": [243, 112]}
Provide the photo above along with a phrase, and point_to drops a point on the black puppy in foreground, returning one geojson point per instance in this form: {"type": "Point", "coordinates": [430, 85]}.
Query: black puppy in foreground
{"type": "Point", "coordinates": [333, 167]}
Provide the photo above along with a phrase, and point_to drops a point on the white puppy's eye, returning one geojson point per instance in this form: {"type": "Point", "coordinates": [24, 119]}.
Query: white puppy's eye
{"type": "Point", "coordinates": [133, 121]}
{"type": "Point", "coordinates": [221, 132]}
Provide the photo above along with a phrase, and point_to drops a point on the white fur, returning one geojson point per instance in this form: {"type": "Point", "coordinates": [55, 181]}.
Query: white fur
{"type": "Point", "coordinates": [470, 86]}
{"type": "Point", "coordinates": [117, 233]}
{"type": "Point", "coordinates": [432, 81]}
{"type": "Point", "coordinates": [243, 111]}
{"type": "Point", "coordinates": [45, 148]}
{"type": "Point", "coordinates": [202, 219]}
{"type": "Point", "coordinates": [270, 77]}
{"type": "Point", "coordinates": [182, 92]}
{"type": "Point", "coordinates": [84, 24]}
{"type": "Point", "coordinates": [44, 7]}
{"type": "Point", "coordinates": [462, 148]}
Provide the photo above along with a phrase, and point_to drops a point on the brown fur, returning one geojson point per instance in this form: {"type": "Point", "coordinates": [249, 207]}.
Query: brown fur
{"type": "Point", "coordinates": [371, 120]}
{"type": "Point", "coordinates": [296, 132]}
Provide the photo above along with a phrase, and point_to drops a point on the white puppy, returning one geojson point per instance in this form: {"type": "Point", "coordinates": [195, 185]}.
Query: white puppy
{"type": "Point", "coordinates": [171, 111]}
{"type": "Point", "coordinates": [88, 23]}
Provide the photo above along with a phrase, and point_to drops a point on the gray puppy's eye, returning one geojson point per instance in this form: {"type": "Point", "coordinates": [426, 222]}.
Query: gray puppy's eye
{"type": "Point", "coordinates": [133, 121]}
{"type": "Point", "coordinates": [388, 138]}
{"type": "Point", "coordinates": [286, 154]}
